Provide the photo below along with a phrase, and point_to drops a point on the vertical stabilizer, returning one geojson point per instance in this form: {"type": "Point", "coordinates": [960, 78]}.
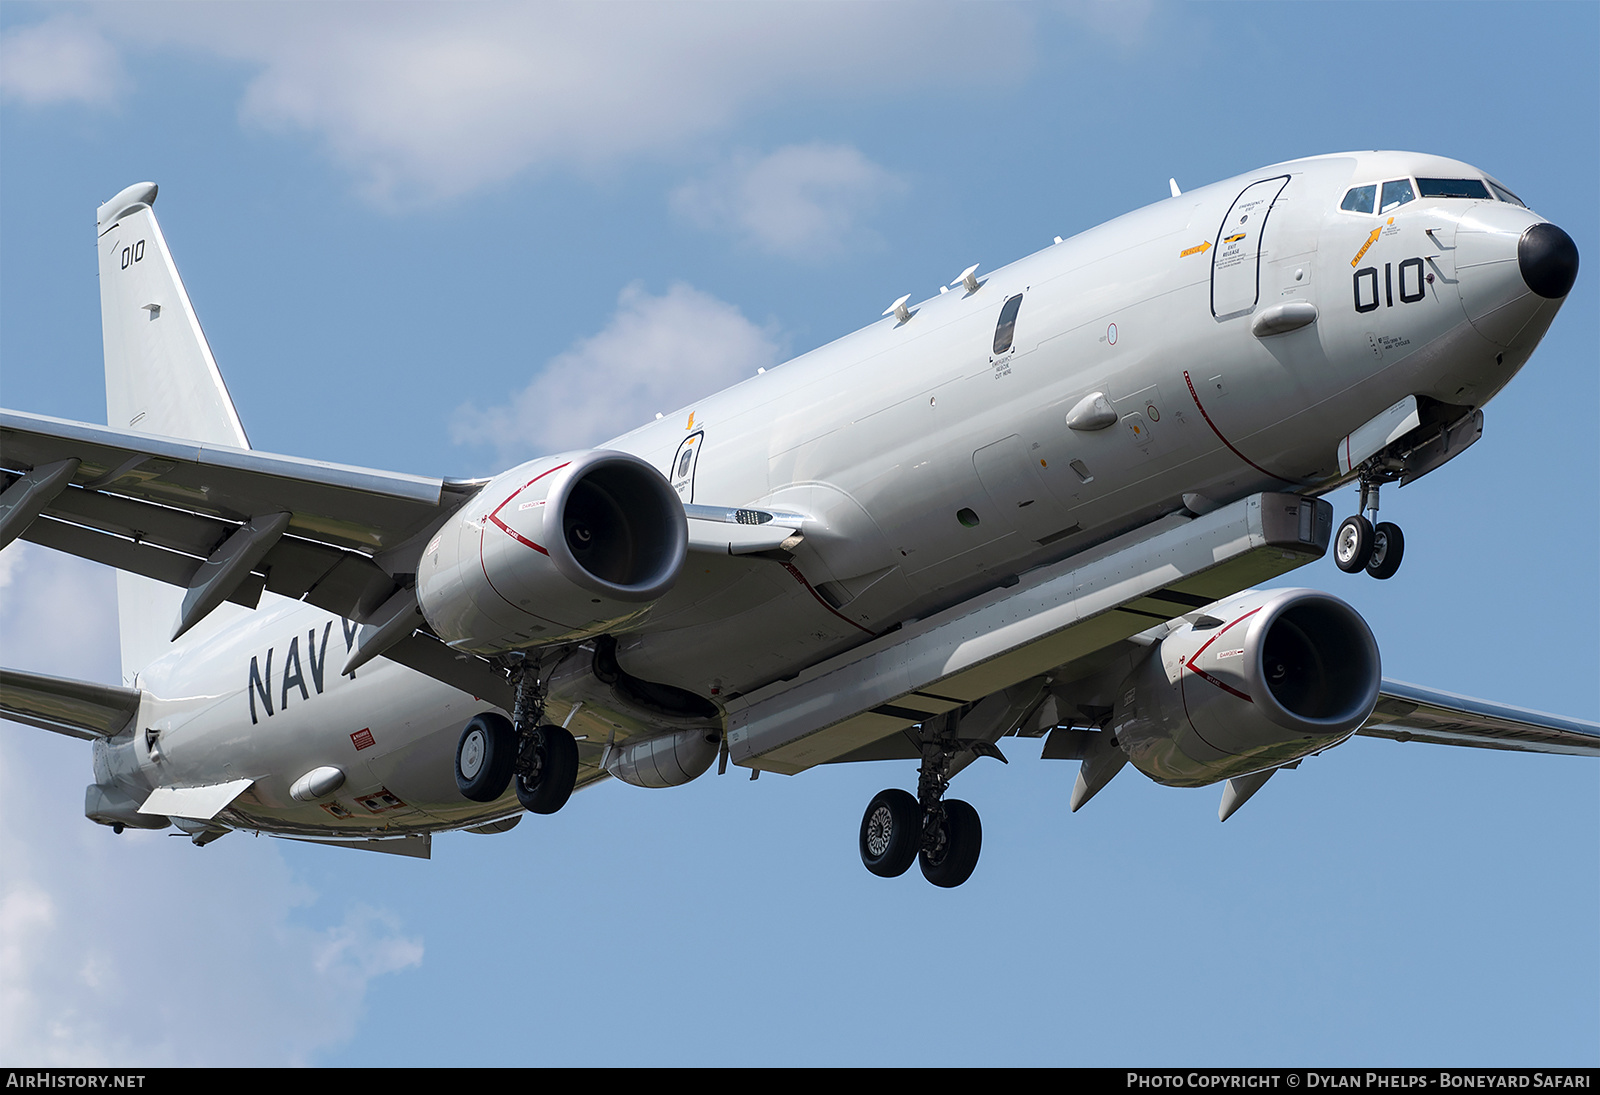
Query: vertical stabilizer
{"type": "Point", "coordinates": [160, 378]}
{"type": "Point", "coordinates": [160, 375]}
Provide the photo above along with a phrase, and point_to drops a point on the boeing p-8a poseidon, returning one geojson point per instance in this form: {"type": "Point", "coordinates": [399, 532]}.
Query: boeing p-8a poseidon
{"type": "Point", "coordinates": [1034, 504]}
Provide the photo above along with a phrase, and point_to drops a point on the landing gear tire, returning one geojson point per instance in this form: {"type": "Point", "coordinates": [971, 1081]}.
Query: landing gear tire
{"type": "Point", "coordinates": [484, 757]}
{"type": "Point", "coordinates": [1352, 544]}
{"type": "Point", "coordinates": [545, 783]}
{"type": "Point", "coordinates": [1388, 546]}
{"type": "Point", "coordinates": [891, 831]}
{"type": "Point", "coordinates": [957, 844]}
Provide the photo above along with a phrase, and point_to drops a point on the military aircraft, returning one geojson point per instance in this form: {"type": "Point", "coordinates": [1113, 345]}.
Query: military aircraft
{"type": "Point", "coordinates": [1035, 504]}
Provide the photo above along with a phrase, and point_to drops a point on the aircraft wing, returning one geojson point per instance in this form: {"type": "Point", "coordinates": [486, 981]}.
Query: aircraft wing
{"type": "Point", "coordinates": [1407, 712]}
{"type": "Point", "coordinates": [79, 709]}
{"type": "Point", "coordinates": [225, 522]}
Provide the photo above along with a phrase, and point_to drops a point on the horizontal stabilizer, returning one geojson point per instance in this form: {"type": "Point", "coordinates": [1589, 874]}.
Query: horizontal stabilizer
{"type": "Point", "coordinates": [417, 845]}
{"type": "Point", "coordinates": [200, 803]}
{"type": "Point", "coordinates": [79, 709]}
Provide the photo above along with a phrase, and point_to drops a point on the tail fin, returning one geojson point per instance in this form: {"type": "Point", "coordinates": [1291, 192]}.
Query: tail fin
{"type": "Point", "coordinates": [160, 375]}
{"type": "Point", "coordinates": [160, 378]}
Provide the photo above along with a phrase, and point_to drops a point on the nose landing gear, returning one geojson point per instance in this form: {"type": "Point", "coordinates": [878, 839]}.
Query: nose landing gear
{"type": "Point", "coordinates": [1362, 545]}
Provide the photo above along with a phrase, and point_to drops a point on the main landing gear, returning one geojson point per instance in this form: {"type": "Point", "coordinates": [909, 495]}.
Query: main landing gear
{"type": "Point", "coordinates": [538, 758]}
{"type": "Point", "coordinates": [1361, 544]}
{"type": "Point", "coordinates": [945, 835]}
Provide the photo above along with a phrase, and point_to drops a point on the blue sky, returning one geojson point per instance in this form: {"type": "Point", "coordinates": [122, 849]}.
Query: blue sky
{"type": "Point", "coordinates": [440, 239]}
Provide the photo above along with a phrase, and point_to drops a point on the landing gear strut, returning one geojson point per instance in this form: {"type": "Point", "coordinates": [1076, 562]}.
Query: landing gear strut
{"type": "Point", "coordinates": [538, 758]}
{"type": "Point", "coordinates": [1361, 544]}
{"type": "Point", "coordinates": [944, 835]}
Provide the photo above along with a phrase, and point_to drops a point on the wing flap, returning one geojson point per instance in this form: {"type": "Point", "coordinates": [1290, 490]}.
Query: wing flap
{"type": "Point", "coordinates": [137, 558]}
{"type": "Point", "coordinates": [356, 508]}
{"type": "Point", "coordinates": [426, 654]}
{"type": "Point", "coordinates": [352, 587]}
{"type": "Point", "coordinates": [161, 507]}
{"type": "Point", "coordinates": [162, 526]}
{"type": "Point", "coordinates": [1408, 712]}
{"type": "Point", "coordinates": [79, 709]}
{"type": "Point", "coordinates": [1052, 616]}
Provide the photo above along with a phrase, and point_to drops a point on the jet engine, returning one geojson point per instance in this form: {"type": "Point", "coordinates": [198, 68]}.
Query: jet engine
{"type": "Point", "coordinates": [560, 548]}
{"type": "Point", "coordinates": [1255, 681]}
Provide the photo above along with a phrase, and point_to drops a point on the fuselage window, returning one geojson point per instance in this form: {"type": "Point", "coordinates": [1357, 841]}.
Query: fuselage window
{"type": "Point", "coordinates": [1359, 199]}
{"type": "Point", "coordinates": [1396, 193]}
{"type": "Point", "coordinates": [1006, 328]}
{"type": "Point", "coordinates": [683, 464]}
{"type": "Point", "coordinates": [1451, 188]}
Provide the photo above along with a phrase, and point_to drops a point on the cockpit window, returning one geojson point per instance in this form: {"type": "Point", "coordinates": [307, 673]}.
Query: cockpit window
{"type": "Point", "coordinates": [1452, 188]}
{"type": "Point", "coordinates": [1505, 195]}
{"type": "Point", "coordinates": [1359, 199]}
{"type": "Point", "coordinates": [1395, 193]}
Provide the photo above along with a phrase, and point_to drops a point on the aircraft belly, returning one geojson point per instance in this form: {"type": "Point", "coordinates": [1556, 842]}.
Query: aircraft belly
{"type": "Point", "coordinates": [265, 704]}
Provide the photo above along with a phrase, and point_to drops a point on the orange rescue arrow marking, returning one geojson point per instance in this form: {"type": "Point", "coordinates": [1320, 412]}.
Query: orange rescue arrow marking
{"type": "Point", "coordinates": [1372, 239]}
{"type": "Point", "coordinates": [1195, 250]}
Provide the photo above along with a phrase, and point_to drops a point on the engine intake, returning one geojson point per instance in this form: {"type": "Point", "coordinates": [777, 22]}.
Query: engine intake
{"type": "Point", "coordinates": [561, 548]}
{"type": "Point", "coordinates": [1252, 682]}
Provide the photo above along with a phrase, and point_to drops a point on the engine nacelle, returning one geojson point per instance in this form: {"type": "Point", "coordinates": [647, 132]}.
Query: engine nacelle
{"type": "Point", "coordinates": [666, 760]}
{"type": "Point", "coordinates": [560, 548]}
{"type": "Point", "coordinates": [1256, 681]}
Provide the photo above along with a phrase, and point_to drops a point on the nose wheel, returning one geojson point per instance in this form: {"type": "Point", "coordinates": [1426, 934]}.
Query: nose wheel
{"type": "Point", "coordinates": [1362, 545]}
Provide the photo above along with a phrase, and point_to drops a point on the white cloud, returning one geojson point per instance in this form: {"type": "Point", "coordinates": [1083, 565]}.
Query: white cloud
{"type": "Point", "coordinates": [801, 201]}
{"type": "Point", "coordinates": [62, 60]}
{"type": "Point", "coordinates": [141, 949]}
{"type": "Point", "coordinates": [429, 101]}
{"type": "Point", "coordinates": [656, 354]}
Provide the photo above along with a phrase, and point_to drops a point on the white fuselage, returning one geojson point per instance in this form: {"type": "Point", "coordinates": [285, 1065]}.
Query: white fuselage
{"type": "Point", "coordinates": [932, 468]}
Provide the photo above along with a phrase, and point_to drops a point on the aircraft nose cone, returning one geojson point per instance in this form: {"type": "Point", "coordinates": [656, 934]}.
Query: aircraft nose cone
{"type": "Point", "coordinates": [1548, 259]}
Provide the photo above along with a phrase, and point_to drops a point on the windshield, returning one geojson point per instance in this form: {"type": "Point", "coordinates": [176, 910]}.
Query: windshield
{"type": "Point", "coordinates": [1452, 188]}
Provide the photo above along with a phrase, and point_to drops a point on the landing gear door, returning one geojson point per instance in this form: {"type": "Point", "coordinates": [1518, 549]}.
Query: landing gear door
{"type": "Point", "coordinates": [1236, 259]}
{"type": "Point", "coordinates": [684, 461]}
